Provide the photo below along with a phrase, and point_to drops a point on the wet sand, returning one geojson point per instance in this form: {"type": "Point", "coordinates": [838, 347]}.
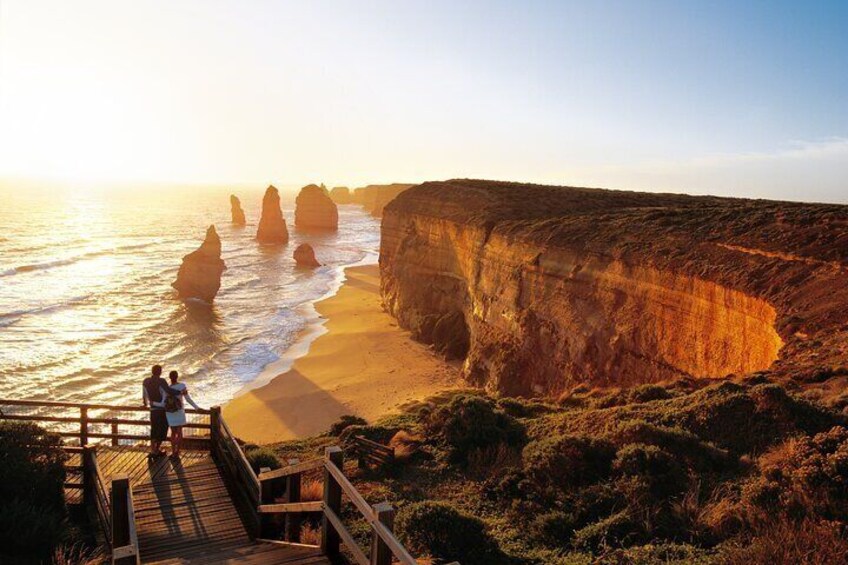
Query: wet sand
{"type": "Point", "coordinates": [363, 365]}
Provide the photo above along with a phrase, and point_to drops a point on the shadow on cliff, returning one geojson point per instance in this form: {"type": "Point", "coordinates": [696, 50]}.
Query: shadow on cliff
{"type": "Point", "coordinates": [293, 405]}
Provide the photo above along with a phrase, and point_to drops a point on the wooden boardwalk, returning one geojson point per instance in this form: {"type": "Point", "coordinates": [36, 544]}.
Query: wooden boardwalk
{"type": "Point", "coordinates": [185, 514]}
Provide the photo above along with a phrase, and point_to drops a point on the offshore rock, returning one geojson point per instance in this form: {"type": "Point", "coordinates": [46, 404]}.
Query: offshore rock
{"type": "Point", "coordinates": [200, 273]}
{"type": "Point", "coordinates": [272, 225]}
{"type": "Point", "coordinates": [543, 288]}
{"type": "Point", "coordinates": [375, 197]}
{"type": "Point", "coordinates": [237, 212]}
{"type": "Point", "coordinates": [341, 195]}
{"type": "Point", "coordinates": [304, 256]}
{"type": "Point", "coordinates": [315, 210]}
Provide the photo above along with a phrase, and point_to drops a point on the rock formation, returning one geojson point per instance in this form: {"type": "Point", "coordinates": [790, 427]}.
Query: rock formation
{"type": "Point", "coordinates": [315, 210]}
{"type": "Point", "coordinates": [272, 225]}
{"type": "Point", "coordinates": [200, 273]}
{"type": "Point", "coordinates": [237, 212]}
{"type": "Point", "coordinates": [304, 256]}
{"type": "Point", "coordinates": [341, 195]}
{"type": "Point", "coordinates": [375, 197]}
{"type": "Point", "coordinates": [542, 288]}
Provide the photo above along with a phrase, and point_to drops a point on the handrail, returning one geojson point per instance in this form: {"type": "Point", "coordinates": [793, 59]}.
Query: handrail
{"type": "Point", "coordinates": [245, 463]}
{"type": "Point", "coordinates": [62, 404]}
{"type": "Point", "coordinates": [330, 508]}
{"type": "Point", "coordinates": [124, 530]}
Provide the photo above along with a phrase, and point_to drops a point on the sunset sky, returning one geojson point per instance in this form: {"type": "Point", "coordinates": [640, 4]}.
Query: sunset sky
{"type": "Point", "coordinates": [733, 98]}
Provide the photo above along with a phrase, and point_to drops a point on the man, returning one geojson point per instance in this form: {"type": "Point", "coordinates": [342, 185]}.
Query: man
{"type": "Point", "coordinates": [154, 389]}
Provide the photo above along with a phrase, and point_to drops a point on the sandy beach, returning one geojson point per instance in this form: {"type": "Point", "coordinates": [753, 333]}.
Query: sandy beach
{"type": "Point", "coordinates": [364, 365]}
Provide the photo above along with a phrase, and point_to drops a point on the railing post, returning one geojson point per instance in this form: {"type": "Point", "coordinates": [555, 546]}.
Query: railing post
{"type": "Point", "coordinates": [266, 496]}
{"type": "Point", "coordinates": [89, 452]}
{"type": "Point", "coordinates": [214, 428]}
{"type": "Point", "coordinates": [114, 434]}
{"type": "Point", "coordinates": [332, 501]}
{"type": "Point", "coordinates": [293, 495]}
{"type": "Point", "coordinates": [120, 513]}
{"type": "Point", "coordinates": [380, 552]}
{"type": "Point", "coordinates": [83, 426]}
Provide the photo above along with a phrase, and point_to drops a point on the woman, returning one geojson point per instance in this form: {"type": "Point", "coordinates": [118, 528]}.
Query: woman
{"type": "Point", "coordinates": [175, 411]}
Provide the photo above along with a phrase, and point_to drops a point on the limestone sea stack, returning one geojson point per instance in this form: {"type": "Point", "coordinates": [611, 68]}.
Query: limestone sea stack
{"type": "Point", "coordinates": [315, 210]}
{"type": "Point", "coordinates": [237, 212]}
{"type": "Point", "coordinates": [341, 195]}
{"type": "Point", "coordinates": [200, 274]}
{"type": "Point", "coordinates": [272, 225]}
{"type": "Point", "coordinates": [304, 256]}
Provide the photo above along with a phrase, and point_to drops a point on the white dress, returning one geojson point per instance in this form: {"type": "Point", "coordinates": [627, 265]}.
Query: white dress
{"type": "Point", "coordinates": [178, 418]}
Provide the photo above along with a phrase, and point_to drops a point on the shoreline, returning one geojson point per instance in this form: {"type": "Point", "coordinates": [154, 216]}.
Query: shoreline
{"type": "Point", "coordinates": [352, 359]}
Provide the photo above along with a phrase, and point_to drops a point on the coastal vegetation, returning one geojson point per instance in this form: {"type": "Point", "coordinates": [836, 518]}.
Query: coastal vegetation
{"type": "Point", "coordinates": [688, 471]}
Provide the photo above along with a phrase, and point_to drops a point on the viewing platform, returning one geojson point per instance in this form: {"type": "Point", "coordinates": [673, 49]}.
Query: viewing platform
{"type": "Point", "coordinates": [209, 506]}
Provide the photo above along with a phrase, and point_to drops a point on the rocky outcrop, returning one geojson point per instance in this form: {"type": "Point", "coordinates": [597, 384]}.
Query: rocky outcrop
{"type": "Point", "coordinates": [272, 225]}
{"type": "Point", "coordinates": [304, 256]}
{"type": "Point", "coordinates": [541, 288]}
{"type": "Point", "coordinates": [375, 197]}
{"type": "Point", "coordinates": [341, 195]}
{"type": "Point", "coordinates": [236, 211]}
{"type": "Point", "coordinates": [200, 273]}
{"type": "Point", "coordinates": [315, 210]}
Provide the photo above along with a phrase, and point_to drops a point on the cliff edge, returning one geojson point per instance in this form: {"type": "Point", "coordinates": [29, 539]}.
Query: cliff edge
{"type": "Point", "coordinates": [540, 288]}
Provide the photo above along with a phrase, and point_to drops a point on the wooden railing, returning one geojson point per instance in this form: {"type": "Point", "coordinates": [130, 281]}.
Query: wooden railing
{"type": "Point", "coordinates": [385, 547]}
{"type": "Point", "coordinates": [95, 495]}
{"type": "Point", "coordinates": [124, 536]}
{"type": "Point", "coordinates": [88, 423]}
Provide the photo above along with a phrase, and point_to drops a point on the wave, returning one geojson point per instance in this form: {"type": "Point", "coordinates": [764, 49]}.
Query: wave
{"type": "Point", "coordinates": [9, 318]}
{"type": "Point", "coordinates": [71, 260]}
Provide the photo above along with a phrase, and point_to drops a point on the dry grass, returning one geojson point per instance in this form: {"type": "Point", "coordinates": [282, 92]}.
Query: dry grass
{"type": "Point", "coordinates": [76, 555]}
{"type": "Point", "coordinates": [493, 461]}
{"type": "Point", "coordinates": [311, 490]}
{"type": "Point", "coordinates": [310, 535]}
{"type": "Point", "coordinates": [806, 543]}
{"type": "Point", "coordinates": [405, 444]}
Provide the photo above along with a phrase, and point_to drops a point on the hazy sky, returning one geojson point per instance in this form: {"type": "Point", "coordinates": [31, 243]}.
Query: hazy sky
{"type": "Point", "coordinates": [744, 98]}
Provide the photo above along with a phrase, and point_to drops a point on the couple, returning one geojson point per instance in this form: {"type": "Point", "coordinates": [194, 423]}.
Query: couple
{"type": "Point", "coordinates": [166, 409]}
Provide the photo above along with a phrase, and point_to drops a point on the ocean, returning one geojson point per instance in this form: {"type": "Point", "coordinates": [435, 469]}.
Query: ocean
{"type": "Point", "coordinates": [86, 304]}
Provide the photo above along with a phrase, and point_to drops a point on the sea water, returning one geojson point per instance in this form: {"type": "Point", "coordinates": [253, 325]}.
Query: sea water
{"type": "Point", "coordinates": [87, 307]}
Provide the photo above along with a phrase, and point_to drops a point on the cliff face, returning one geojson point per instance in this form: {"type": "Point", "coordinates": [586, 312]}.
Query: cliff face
{"type": "Point", "coordinates": [272, 225]}
{"type": "Point", "coordinates": [542, 288]}
{"type": "Point", "coordinates": [375, 197]}
{"type": "Point", "coordinates": [200, 273]}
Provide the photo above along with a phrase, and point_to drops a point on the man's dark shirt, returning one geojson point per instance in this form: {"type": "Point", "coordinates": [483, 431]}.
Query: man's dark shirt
{"type": "Point", "coordinates": [154, 386]}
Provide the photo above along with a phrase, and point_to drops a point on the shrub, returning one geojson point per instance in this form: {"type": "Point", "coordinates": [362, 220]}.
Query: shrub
{"type": "Point", "coordinates": [32, 465]}
{"type": "Point", "coordinates": [807, 542]}
{"type": "Point", "coordinates": [664, 473]}
{"type": "Point", "coordinates": [567, 461]}
{"type": "Point", "coordinates": [29, 528]}
{"type": "Point", "coordinates": [618, 530]}
{"type": "Point", "coordinates": [471, 422]}
{"type": "Point", "coordinates": [648, 393]}
{"type": "Point", "coordinates": [439, 530]}
{"type": "Point", "coordinates": [262, 457]}
{"type": "Point", "coordinates": [553, 529]}
{"type": "Point", "coordinates": [32, 476]}
{"type": "Point", "coordinates": [344, 422]}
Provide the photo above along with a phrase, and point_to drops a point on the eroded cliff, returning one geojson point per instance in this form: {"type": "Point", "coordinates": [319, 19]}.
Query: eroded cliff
{"type": "Point", "coordinates": [542, 288]}
{"type": "Point", "coordinates": [375, 197]}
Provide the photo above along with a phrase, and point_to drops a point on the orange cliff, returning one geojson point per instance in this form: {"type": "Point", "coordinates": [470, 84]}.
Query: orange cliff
{"type": "Point", "coordinates": [541, 288]}
{"type": "Point", "coordinates": [375, 197]}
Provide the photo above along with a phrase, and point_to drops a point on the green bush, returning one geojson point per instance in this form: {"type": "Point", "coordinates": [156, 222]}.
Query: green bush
{"type": "Point", "coordinates": [344, 422]}
{"type": "Point", "coordinates": [470, 422]}
{"type": "Point", "coordinates": [618, 530]}
{"type": "Point", "coordinates": [32, 477]}
{"type": "Point", "coordinates": [442, 532]}
{"type": "Point", "coordinates": [262, 457]}
{"type": "Point", "coordinates": [29, 529]}
{"type": "Point", "coordinates": [32, 464]}
{"type": "Point", "coordinates": [567, 461]}
{"type": "Point", "coordinates": [553, 529]}
{"type": "Point", "coordinates": [664, 473]}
